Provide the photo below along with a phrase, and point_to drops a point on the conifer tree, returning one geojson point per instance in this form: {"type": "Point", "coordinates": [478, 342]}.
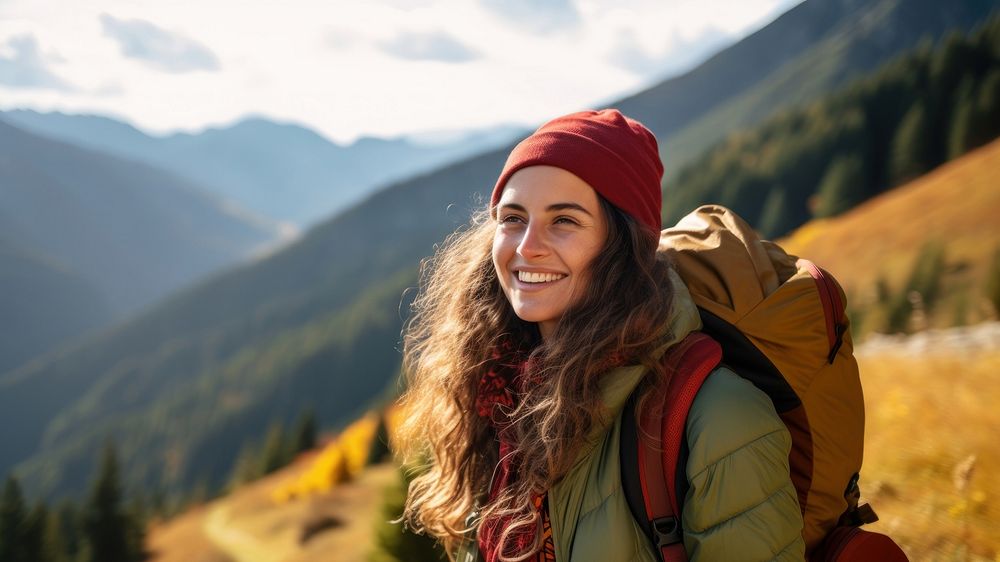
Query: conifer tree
{"type": "Point", "coordinates": [305, 432]}
{"type": "Point", "coordinates": [276, 449]}
{"type": "Point", "coordinates": [842, 186]}
{"type": "Point", "coordinates": [962, 119]}
{"type": "Point", "coordinates": [379, 450]}
{"type": "Point", "coordinates": [911, 149]}
{"type": "Point", "coordinates": [105, 525]}
{"type": "Point", "coordinates": [55, 546]}
{"type": "Point", "coordinates": [13, 523]}
{"type": "Point", "coordinates": [992, 288]}
{"type": "Point", "coordinates": [34, 533]}
{"type": "Point", "coordinates": [247, 467]}
{"type": "Point", "coordinates": [393, 542]}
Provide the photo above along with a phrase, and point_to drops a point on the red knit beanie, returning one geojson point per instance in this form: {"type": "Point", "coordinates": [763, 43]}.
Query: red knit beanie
{"type": "Point", "coordinates": [615, 155]}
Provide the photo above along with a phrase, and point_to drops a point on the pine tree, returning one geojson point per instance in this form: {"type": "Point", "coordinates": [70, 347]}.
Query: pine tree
{"type": "Point", "coordinates": [911, 149]}
{"type": "Point", "coordinates": [34, 533]}
{"type": "Point", "coordinates": [987, 125]}
{"type": "Point", "coordinates": [842, 186]}
{"type": "Point", "coordinates": [393, 542]}
{"type": "Point", "coordinates": [13, 523]}
{"type": "Point", "coordinates": [963, 116]}
{"type": "Point", "coordinates": [247, 467]}
{"type": "Point", "coordinates": [276, 449]}
{"type": "Point", "coordinates": [992, 288]}
{"type": "Point", "coordinates": [774, 219]}
{"type": "Point", "coordinates": [105, 525]}
{"type": "Point", "coordinates": [55, 547]}
{"type": "Point", "coordinates": [379, 450]}
{"type": "Point", "coordinates": [305, 432]}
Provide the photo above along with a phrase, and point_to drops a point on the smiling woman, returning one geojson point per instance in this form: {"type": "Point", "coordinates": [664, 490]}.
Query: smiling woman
{"type": "Point", "coordinates": [550, 228]}
{"type": "Point", "coordinates": [531, 330]}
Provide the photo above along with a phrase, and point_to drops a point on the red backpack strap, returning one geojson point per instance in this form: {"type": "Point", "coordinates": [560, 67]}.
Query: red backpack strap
{"type": "Point", "coordinates": [662, 433]}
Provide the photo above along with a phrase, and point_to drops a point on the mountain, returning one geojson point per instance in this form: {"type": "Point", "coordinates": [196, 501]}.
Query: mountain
{"type": "Point", "coordinates": [806, 52]}
{"type": "Point", "coordinates": [282, 171]}
{"type": "Point", "coordinates": [42, 303]}
{"type": "Point", "coordinates": [115, 235]}
{"type": "Point", "coordinates": [182, 386]}
{"type": "Point", "coordinates": [907, 117]}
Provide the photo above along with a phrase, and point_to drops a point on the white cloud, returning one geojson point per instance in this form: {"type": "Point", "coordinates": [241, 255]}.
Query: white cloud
{"type": "Point", "coordinates": [324, 63]}
{"type": "Point", "coordinates": [436, 45]}
{"type": "Point", "coordinates": [27, 68]}
{"type": "Point", "coordinates": [157, 47]}
{"type": "Point", "coordinates": [538, 16]}
{"type": "Point", "coordinates": [675, 54]}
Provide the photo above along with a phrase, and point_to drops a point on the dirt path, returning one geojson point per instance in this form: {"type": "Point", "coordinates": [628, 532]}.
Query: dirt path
{"type": "Point", "coordinates": [962, 340]}
{"type": "Point", "coordinates": [249, 527]}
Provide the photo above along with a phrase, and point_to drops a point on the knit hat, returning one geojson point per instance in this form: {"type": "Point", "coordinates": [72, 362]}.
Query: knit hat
{"type": "Point", "coordinates": [615, 155]}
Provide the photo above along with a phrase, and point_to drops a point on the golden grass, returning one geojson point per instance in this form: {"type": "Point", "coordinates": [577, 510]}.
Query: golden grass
{"type": "Point", "coordinates": [956, 204]}
{"type": "Point", "coordinates": [932, 452]}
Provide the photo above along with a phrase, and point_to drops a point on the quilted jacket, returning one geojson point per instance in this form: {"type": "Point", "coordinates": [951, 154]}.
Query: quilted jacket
{"type": "Point", "coordinates": [741, 504]}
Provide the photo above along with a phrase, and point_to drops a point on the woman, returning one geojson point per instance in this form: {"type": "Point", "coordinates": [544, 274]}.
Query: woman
{"type": "Point", "coordinates": [533, 327]}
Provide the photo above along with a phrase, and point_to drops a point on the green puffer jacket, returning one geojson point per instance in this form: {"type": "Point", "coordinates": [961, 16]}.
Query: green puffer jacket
{"type": "Point", "coordinates": [741, 504]}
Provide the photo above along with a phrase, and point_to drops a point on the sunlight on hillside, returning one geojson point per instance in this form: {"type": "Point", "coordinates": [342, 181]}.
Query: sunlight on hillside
{"type": "Point", "coordinates": [341, 460]}
{"type": "Point", "coordinates": [932, 464]}
{"type": "Point", "coordinates": [955, 205]}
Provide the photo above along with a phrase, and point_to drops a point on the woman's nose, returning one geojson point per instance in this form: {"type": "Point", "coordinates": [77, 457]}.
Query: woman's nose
{"type": "Point", "coordinates": [533, 242]}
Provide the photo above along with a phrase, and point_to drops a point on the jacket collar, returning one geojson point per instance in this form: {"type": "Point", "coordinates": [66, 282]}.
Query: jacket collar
{"type": "Point", "coordinates": [618, 384]}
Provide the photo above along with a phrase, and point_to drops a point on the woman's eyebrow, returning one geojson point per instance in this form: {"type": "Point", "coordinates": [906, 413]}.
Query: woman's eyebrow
{"type": "Point", "coordinates": [550, 208]}
{"type": "Point", "coordinates": [570, 206]}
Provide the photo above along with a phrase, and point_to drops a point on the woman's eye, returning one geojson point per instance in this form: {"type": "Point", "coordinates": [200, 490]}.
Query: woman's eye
{"type": "Point", "coordinates": [510, 218]}
{"type": "Point", "coordinates": [565, 220]}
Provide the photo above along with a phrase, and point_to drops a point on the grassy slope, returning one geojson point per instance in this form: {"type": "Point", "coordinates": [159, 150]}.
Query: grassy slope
{"type": "Point", "coordinates": [928, 413]}
{"type": "Point", "coordinates": [955, 204]}
{"type": "Point", "coordinates": [248, 525]}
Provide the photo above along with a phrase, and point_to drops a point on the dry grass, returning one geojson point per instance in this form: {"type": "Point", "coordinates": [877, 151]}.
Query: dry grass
{"type": "Point", "coordinates": [955, 204]}
{"type": "Point", "coordinates": [932, 452]}
{"type": "Point", "coordinates": [182, 539]}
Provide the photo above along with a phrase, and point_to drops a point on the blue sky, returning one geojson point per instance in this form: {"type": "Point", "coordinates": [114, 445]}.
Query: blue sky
{"type": "Point", "coordinates": [346, 69]}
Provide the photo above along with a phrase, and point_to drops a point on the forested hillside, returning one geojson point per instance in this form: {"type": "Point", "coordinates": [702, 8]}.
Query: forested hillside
{"type": "Point", "coordinates": [923, 109]}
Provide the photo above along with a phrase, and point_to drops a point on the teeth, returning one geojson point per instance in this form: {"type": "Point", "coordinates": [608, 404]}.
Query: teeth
{"type": "Point", "coordinates": [527, 277]}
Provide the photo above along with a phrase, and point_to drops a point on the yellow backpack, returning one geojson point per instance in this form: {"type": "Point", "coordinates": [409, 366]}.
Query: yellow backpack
{"type": "Point", "coordinates": [782, 324]}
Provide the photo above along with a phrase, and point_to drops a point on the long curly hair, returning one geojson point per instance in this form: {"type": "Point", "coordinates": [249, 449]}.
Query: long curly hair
{"type": "Point", "coordinates": [460, 316]}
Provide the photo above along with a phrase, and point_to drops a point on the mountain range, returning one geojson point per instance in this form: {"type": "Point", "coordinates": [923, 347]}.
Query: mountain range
{"type": "Point", "coordinates": [183, 386]}
{"type": "Point", "coordinates": [282, 171]}
{"type": "Point", "coordinates": [89, 238]}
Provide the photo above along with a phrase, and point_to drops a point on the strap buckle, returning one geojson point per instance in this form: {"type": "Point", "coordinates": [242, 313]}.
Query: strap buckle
{"type": "Point", "coordinates": [666, 531]}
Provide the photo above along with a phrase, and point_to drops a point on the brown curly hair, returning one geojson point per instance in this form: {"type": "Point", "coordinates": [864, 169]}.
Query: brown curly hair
{"type": "Point", "coordinates": [459, 317]}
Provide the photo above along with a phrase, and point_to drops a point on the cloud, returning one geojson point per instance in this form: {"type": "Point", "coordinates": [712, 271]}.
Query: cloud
{"type": "Point", "coordinates": [680, 54]}
{"type": "Point", "coordinates": [536, 15]}
{"type": "Point", "coordinates": [437, 46]}
{"type": "Point", "coordinates": [27, 69]}
{"type": "Point", "coordinates": [157, 47]}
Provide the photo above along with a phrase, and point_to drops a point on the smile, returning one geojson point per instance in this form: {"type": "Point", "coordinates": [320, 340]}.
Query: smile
{"type": "Point", "coordinates": [528, 277]}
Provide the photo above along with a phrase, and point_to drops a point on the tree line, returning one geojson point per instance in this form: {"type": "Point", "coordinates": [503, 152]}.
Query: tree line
{"type": "Point", "coordinates": [102, 529]}
{"type": "Point", "coordinates": [108, 526]}
{"type": "Point", "coordinates": [916, 112]}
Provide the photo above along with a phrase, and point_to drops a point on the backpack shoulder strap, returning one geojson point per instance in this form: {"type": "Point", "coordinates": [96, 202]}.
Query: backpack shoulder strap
{"type": "Point", "coordinates": [651, 452]}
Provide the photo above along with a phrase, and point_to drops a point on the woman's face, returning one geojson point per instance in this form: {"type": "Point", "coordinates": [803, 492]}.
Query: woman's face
{"type": "Point", "coordinates": [550, 226]}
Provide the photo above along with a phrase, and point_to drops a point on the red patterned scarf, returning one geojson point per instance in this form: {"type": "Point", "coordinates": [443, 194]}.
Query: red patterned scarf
{"type": "Point", "coordinates": [496, 399]}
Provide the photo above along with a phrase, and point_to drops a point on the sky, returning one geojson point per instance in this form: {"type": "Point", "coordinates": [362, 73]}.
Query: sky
{"type": "Point", "coordinates": [353, 68]}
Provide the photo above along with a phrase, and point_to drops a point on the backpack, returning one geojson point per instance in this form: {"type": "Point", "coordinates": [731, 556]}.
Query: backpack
{"type": "Point", "coordinates": [779, 322]}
